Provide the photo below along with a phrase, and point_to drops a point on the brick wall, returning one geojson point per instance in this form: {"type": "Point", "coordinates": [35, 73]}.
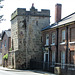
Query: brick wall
{"type": "Point", "coordinates": [62, 46]}
{"type": "Point", "coordinates": [5, 48]}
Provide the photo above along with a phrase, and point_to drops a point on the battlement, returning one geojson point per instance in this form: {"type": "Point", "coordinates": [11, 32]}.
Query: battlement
{"type": "Point", "coordinates": [44, 12]}
{"type": "Point", "coordinates": [32, 12]}
{"type": "Point", "coordinates": [18, 11]}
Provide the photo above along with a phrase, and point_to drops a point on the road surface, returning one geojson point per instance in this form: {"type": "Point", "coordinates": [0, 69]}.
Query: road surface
{"type": "Point", "coordinates": [3, 72]}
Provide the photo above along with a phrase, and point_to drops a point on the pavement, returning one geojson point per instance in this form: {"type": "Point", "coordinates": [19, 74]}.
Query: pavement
{"type": "Point", "coordinates": [8, 69]}
{"type": "Point", "coordinates": [36, 71]}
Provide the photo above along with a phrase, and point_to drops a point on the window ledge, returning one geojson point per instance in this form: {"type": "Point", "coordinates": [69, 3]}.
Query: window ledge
{"type": "Point", "coordinates": [52, 44]}
{"type": "Point", "coordinates": [46, 45]}
{"type": "Point", "coordinates": [72, 42]}
{"type": "Point", "coordinates": [62, 43]}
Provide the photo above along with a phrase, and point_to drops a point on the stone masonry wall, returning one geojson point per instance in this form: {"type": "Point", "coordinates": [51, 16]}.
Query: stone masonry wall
{"type": "Point", "coordinates": [33, 39]}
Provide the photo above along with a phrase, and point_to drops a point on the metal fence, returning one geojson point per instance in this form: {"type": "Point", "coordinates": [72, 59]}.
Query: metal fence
{"type": "Point", "coordinates": [68, 69]}
{"type": "Point", "coordinates": [40, 65]}
{"type": "Point", "coordinates": [36, 64]}
{"type": "Point", "coordinates": [65, 66]}
{"type": "Point", "coordinates": [65, 69]}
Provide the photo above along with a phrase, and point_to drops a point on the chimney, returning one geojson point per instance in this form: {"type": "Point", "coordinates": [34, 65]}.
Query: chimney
{"type": "Point", "coordinates": [58, 12]}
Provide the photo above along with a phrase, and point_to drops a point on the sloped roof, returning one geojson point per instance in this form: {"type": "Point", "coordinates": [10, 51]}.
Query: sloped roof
{"type": "Point", "coordinates": [67, 19]}
{"type": "Point", "coordinates": [7, 32]}
{"type": "Point", "coordinates": [0, 36]}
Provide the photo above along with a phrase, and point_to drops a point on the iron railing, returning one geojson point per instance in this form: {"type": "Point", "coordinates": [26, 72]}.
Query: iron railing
{"type": "Point", "coordinates": [49, 66]}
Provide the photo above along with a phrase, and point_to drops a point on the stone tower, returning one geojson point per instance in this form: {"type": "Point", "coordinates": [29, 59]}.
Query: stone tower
{"type": "Point", "coordinates": [26, 36]}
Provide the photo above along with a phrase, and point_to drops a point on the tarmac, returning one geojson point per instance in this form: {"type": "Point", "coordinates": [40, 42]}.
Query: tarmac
{"type": "Point", "coordinates": [37, 71]}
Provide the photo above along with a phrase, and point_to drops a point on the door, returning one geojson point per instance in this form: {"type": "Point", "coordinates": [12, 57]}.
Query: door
{"type": "Point", "coordinates": [46, 57]}
{"type": "Point", "coordinates": [62, 59]}
{"type": "Point", "coordinates": [46, 61]}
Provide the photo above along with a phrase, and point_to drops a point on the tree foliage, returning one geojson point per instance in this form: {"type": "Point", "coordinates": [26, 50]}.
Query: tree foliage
{"type": "Point", "coordinates": [5, 57]}
{"type": "Point", "coordinates": [1, 6]}
{"type": "Point", "coordinates": [10, 49]}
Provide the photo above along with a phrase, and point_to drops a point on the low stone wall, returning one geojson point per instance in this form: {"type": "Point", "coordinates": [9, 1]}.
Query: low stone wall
{"type": "Point", "coordinates": [67, 72]}
{"type": "Point", "coordinates": [64, 69]}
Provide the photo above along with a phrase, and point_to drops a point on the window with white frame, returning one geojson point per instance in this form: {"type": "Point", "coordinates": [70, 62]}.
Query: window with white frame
{"type": "Point", "coordinates": [47, 39]}
{"type": "Point", "coordinates": [53, 57]}
{"type": "Point", "coordinates": [63, 59]}
{"type": "Point", "coordinates": [72, 35]}
{"type": "Point", "coordinates": [63, 35]}
{"type": "Point", "coordinates": [53, 38]}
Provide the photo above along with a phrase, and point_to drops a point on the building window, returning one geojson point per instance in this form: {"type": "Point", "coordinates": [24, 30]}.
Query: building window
{"type": "Point", "coordinates": [24, 23]}
{"type": "Point", "coordinates": [5, 43]}
{"type": "Point", "coordinates": [53, 57]}
{"type": "Point", "coordinates": [37, 23]}
{"type": "Point", "coordinates": [12, 45]}
{"type": "Point", "coordinates": [1, 45]}
{"type": "Point", "coordinates": [72, 34]}
{"type": "Point", "coordinates": [41, 39]}
{"type": "Point", "coordinates": [63, 35]}
{"type": "Point", "coordinates": [53, 38]}
{"type": "Point", "coordinates": [63, 59]}
{"type": "Point", "coordinates": [47, 39]}
{"type": "Point", "coordinates": [72, 56]}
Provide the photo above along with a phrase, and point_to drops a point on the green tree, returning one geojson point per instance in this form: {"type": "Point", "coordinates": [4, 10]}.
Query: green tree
{"type": "Point", "coordinates": [5, 57]}
{"type": "Point", "coordinates": [1, 6]}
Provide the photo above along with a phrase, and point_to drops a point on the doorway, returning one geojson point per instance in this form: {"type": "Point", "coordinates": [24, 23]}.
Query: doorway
{"type": "Point", "coordinates": [46, 61]}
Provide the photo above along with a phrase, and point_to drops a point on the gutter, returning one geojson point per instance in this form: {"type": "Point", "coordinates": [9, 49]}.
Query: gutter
{"type": "Point", "coordinates": [58, 26]}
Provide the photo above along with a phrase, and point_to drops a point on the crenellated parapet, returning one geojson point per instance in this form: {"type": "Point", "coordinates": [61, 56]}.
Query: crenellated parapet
{"type": "Point", "coordinates": [32, 12]}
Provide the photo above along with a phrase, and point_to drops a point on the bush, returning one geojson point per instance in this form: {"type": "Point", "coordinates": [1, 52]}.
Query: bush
{"type": "Point", "coordinates": [10, 49]}
{"type": "Point", "coordinates": [5, 57]}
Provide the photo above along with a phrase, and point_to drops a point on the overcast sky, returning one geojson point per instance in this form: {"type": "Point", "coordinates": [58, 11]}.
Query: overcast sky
{"type": "Point", "coordinates": [68, 7]}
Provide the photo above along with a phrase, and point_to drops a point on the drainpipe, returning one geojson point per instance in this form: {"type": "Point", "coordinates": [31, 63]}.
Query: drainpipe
{"type": "Point", "coordinates": [8, 51]}
{"type": "Point", "coordinates": [57, 46]}
{"type": "Point", "coordinates": [67, 45]}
